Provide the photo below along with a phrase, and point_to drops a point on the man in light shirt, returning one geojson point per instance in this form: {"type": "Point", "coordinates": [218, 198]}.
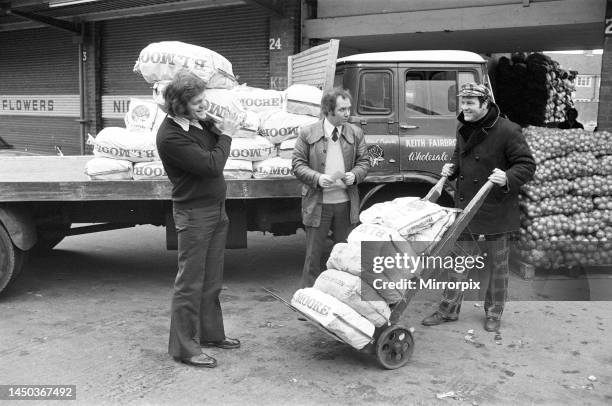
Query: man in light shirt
{"type": "Point", "coordinates": [330, 159]}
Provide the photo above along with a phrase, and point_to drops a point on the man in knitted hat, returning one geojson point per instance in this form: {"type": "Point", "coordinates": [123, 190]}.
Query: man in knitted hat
{"type": "Point", "coordinates": [488, 147]}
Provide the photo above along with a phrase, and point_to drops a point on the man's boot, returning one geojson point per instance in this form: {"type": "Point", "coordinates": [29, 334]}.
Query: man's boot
{"type": "Point", "coordinates": [437, 318]}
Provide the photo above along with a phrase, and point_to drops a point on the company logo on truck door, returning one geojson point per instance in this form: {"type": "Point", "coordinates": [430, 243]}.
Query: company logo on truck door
{"type": "Point", "coordinates": [375, 154]}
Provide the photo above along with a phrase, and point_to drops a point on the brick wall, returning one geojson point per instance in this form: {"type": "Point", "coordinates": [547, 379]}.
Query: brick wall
{"type": "Point", "coordinates": [284, 41]}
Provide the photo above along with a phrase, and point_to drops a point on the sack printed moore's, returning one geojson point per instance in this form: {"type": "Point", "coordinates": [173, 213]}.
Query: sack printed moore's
{"type": "Point", "coordinates": [343, 321]}
{"type": "Point", "coordinates": [149, 171]}
{"type": "Point", "coordinates": [278, 126]}
{"type": "Point", "coordinates": [252, 149]}
{"type": "Point", "coordinates": [162, 60]}
{"type": "Point", "coordinates": [257, 100]}
{"type": "Point", "coordinates": [119, 143]}
{"type": "Point", "coordinates": [273, 168]}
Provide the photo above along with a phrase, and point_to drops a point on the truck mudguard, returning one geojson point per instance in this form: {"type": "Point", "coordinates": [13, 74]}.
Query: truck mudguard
{"type": "Point", "coordinates": [19, 224]}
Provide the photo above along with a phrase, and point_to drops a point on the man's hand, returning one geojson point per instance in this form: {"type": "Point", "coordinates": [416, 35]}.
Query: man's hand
{"type": "Point", "coordinates": [349, 178]}
{"type": "Point", "coordinates": [325, 181]}
{"type": "Point", "coordinates": [498, 177]}
{"type": "Point", "coordinates": [447, 170]}
{"type": "Point", "coordinates": [229, 124]}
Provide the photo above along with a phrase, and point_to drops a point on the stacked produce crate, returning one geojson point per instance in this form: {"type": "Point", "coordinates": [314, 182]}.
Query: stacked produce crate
{"type": "Point", "coordinates": [534, 89]}
{"type": "Point", "coordinates": [566, 209]}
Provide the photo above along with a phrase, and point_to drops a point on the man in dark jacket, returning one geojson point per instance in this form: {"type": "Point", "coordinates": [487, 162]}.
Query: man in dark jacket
{"type": "Point", "coordinates": [488, 146]}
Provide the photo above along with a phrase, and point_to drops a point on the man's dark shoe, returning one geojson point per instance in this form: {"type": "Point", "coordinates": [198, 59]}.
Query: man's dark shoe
{"type": "Point", "coordinates": [199, 361]}
{"type": "Point", "coordinates": [492, 324]}
{"type": "Point", "coordinates": [437, 318]}
{"type": "Point", "coordinates": [226, 343]}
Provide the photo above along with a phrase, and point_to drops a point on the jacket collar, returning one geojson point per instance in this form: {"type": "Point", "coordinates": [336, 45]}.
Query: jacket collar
{"type": "Point", "coordinates": [184, 123]}
{"type": "Point", "coordinates": [475, 135]}
{"type": "Point", "coordinates": [318, 132]}
{"type": "Point", "coordinates": [490, 119]}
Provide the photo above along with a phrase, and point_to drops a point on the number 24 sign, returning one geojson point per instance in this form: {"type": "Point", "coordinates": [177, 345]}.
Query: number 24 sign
{"type": "Point", "coordinates": [608, 29]}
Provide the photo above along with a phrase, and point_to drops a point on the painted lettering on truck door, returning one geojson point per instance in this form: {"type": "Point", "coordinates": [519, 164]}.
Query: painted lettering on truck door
{"type": "Point", "coordinates": [428, 115]}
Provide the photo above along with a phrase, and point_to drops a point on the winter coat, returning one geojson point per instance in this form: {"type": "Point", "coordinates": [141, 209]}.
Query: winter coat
{"type": "Point", "coordinates": [308, 164]}
{"type": "Point", "coordinates": [496, 143]}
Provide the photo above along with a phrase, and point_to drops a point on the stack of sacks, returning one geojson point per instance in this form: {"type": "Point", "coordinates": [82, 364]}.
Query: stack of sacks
{"type": "Point", "coordinates": [281, 126]}
{"type": "Point", "coordinates": [244, 153]}
{"type": "Point", "coordinates": [119, 144]}
{"type": "Point", "coordinates": [397, 222]}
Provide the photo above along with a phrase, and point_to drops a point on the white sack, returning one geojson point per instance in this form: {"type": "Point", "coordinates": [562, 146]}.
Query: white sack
{"type": "Point", "coordinates": [437, 230]}
{"type": "Point", "coordinates": [119, 143]}
{"type": "Point", "coordinates": [373, 232]}
{"type": "Point", "coordinates": [278, 126]}
{"type": "Point", "coordinates": [345, 322]}
{"type": "Point", "coordinates": [252, 149]}
{"type": "Point", "coordinates": [346, 257]}
{"type": "Point", "coordinates": [377, 213]}
{"type": "Point", "coordinates": [273, 168]}
{"type": "Point", "coordinates": [100, 168]}
{"type": "Point", "coordinates": [285, 149]}
{"type": "Point", "coordinates": [238, 169]}
{"type": "Point", "coordinates": [257, 100]}
{"type": "Point", "coordinates": [149, 171]}
{"type": "Point", "coordinates": [408, 215]}
{"type": "Point", "coordinates": [143, 116]}
{"type": "Point", "coordinates": [162, 60]}
{"type": "Point", "coordinates": [358, 295]}
{"type": "Point", "coordinates": [304, 99]}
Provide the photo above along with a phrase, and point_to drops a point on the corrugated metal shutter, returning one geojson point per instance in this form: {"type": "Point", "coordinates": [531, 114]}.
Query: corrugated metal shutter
{"type": "Point", "coordinates": [39, 62]}
{"type": "Point", "coordinates": [239, 33]}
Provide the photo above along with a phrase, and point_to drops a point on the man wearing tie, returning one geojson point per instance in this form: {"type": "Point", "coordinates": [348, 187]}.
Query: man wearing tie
{"type": "Point", "coordinates": [330, 159]}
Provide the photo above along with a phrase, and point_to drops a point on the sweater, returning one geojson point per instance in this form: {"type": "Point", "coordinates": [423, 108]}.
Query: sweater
{"type": "Point", "coordinates": [194, 161]}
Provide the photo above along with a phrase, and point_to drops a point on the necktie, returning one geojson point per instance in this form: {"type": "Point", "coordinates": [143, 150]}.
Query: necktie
{"type": "Point", "coordinates": [335, 134]}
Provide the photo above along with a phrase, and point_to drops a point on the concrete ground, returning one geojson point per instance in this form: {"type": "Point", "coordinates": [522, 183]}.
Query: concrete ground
{"type": "Point", "coordinates": [95, 313]}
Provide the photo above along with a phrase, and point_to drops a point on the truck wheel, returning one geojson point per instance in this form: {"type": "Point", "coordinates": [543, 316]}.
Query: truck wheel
{"type": "Point", "coordinates": [11, 259]}
{"type": "Point", "coordinates": [49, 236]}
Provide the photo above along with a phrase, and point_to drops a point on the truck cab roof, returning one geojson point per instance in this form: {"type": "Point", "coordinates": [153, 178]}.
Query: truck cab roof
{"type": "Point", "coordinates": [450, 56]}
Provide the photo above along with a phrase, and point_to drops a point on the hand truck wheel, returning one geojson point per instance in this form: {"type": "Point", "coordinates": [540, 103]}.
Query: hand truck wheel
{"type": "Point", "coordinates": [394, 347]}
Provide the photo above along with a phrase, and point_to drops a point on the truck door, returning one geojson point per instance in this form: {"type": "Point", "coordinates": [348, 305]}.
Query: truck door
{"type": "Point", "coordinates": [375, 111]}
{"type": "Point", "coordinates": [428, 115]}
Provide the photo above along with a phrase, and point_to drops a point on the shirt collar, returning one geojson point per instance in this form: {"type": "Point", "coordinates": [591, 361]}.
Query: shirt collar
{"type": "Point", "coordinates": [184, 123]}
{"type": "Point", "coordinates": [329, 128]}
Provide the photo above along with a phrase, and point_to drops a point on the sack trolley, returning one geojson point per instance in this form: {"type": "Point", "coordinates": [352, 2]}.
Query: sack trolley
{"type": "Point", "coordinates": [393, 344]}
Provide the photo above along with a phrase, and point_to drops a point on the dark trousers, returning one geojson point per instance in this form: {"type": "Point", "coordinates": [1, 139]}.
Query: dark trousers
{"type": "Point", "coordinates": [494, 276]}
{"type": "Point", "coordinates": [196, 312]}
{"type": "Point", "coordinates": [335, 217]}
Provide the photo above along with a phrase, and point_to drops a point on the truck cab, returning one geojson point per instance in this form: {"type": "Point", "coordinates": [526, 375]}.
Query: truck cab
{"type": "Point", "coordinates": [406, 104]}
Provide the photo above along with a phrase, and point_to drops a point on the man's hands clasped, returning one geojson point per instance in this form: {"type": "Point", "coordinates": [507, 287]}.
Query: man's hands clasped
{"type": "Point", "coordinates": [327, 181]}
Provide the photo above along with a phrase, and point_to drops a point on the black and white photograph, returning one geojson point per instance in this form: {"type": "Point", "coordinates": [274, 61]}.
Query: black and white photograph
{"type": "Point", "coordinates": [306, 202]}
